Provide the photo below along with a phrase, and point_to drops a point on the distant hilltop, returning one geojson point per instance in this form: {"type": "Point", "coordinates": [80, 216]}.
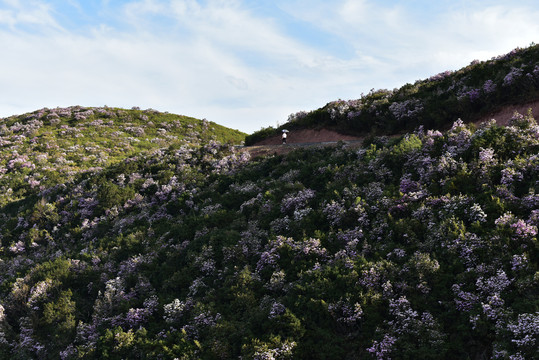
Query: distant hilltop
{"type": "Point", "coordinates": [482, 89]}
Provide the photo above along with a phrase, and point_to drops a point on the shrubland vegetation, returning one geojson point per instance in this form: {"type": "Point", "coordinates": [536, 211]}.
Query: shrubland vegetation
{"type": "Point", "coordinates": [420, 247]}
{"type": "Point", "coordinates": [469, 93]}
{"type": "Point", "coordinates": [52, 146]}
{"type": "Point", "coordinates": [133, 234]}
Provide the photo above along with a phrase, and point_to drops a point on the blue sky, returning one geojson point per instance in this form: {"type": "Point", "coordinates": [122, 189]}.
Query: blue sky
{"type": "Point", "coordinates": [244, 64]}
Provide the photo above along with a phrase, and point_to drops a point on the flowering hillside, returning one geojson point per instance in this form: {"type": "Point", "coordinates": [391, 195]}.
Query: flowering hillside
{"type": "Point", "coordinates": [469, 93]}
{"type": "Point", "coordinates": [422, 247]}
{"type": "Point", "coordinates": [51, 146]}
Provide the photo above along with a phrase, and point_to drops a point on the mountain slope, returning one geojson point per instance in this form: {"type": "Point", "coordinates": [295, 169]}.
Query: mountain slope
{"type": "Point", "coordinates": [469, 93]}
{"type": "Point", "coordinates": [423, 246]}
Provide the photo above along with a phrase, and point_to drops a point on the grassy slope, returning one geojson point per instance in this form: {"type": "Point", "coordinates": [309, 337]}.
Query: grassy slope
{"type": "Point", "coordinates": [50, 146]}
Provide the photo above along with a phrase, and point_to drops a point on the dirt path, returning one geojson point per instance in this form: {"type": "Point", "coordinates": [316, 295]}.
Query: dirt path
{"type": "Point", "coordinates": [325, 137]}
{"type": "Point", "coordinates": [301, 138]}
{"type": "Point", "coordinates": [308, 136]}
{"type": "Point", "coordinates": [263, 150]}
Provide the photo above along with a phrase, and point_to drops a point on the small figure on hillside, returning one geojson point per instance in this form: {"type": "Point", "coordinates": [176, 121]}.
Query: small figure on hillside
{"type": "Point", "coordinates": [284, 136]}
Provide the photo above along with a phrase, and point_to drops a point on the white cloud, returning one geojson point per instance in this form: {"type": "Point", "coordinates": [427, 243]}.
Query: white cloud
{"type": "Point", "coordinates": [7, 18]}
{"type": "Point", "coordinates": [403, 42]}
{"type": "Point", "coordinates": [223, 60]}
{"type": "Point", "coordinates": [136, 12]}
{"type": "Point", "coordinates": [354, 12]}
{"type": "Point", "coordinates": [226, 25]}
{"type": "Point", "coordinates": [502, 25]}
{"type": "Point", "coordinates": [17, 13]}
{"type": "Point", "coordinates": [183, 8]}
{"type": "Point", "coordinates": [195, 77]}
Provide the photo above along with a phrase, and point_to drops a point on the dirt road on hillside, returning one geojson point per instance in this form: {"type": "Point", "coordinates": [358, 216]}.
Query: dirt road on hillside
{"type": "Point", "coordinates": [308, 135]}
{"type": "Point", "coordinates": [325, 137]}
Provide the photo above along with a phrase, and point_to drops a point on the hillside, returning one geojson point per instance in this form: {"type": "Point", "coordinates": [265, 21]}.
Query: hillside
{"type": "Point", "coordinates": [49, 147]}
{"type": "Point", "coordinates": [422, 246]}
{"type": "Point", "coordinates": [471, 93]}
{"type": "Point", "coordinates": [136, 234]}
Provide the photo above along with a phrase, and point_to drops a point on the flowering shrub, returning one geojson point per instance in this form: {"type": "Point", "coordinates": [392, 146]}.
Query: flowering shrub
{"type": "Point", "coordinates": [406, 110]}
{"type": "Point", "coordinates": [512, 76]}
{"type": "Point", "coordinates": [422, 246]}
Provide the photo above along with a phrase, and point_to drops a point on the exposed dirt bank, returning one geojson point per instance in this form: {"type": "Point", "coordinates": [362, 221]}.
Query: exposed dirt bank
{"type": "Point", "coordinates": [503, 116]}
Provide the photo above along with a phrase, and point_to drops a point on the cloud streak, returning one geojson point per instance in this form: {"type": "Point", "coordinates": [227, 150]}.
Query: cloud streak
{"type": "Point", "coordinates": [15, 14]}
{"type": "Point", "coordinates": [243, 64]}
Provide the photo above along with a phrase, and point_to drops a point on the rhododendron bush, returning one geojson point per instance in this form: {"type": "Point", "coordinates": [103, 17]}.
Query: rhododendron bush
{"type": "Point", "coordinates": [423, 246]}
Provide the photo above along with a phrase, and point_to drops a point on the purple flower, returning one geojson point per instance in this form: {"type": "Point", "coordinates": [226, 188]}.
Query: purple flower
{"type": "Point", "coordinates": [17, 248]}
{"type": "Point", "coordinates": [519, 262]}
{"type": "Point", "coordinates": [487, 156]}
{"type": "Point", "coordinates": [476, 213]}
{"type": "Point", "coordinates": [334, 212]}
{"type": "Point", "coordinates": [489, 87]}
{"type": "Point", "coordinates": [407, 184]}
{"type": "Point", "coordinates": [382, 349]}
{"type": "Point", "coordinates": [512, 76]}
{"type": "Point", "coordinates": [284, 351]}
{"type": "Point", "coordinates": [346, 313]}
{"type": "Point", "coordinates": [464, 300]}
{"type": "Point", "coordinates": [510, 175]}
{"type": "Point", "coordinates": [524, 230]}
{"type": "Point", "coordinates": [506, 219]}
{"type": "Point", "coordinates": [206, 319]}
{"type": "Point", "coordinates": [407, 109]}
{"type": "Point", "coordinates": [175, 310]}
{"type": "Point", "coordinates": [276, 310]}
{"type": "Point", "coordinates": [267, 258]}
{"type": "Point", "coordinates": [297, 116]}
{"type": "Point", "coordinates": [441, 76]}
{"type": "Point", "coordinates": [297, 201]}
{"type": "Point", "coordinates": [494, 284]}
{"type": "Point", "coordinates": [473, 94]}
{"type": "Point", "coordinates": [525, 330]}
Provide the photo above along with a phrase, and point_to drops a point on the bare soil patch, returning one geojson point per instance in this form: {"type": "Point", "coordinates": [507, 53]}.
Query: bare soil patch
{"type": "Point", "coordinates": [308, 136]}
{"type": "Point", "coordinates": [503, 116]}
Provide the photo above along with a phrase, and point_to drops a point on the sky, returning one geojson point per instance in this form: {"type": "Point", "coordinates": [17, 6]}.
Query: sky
{"type": "Point", "coordinates": [244, 64]}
